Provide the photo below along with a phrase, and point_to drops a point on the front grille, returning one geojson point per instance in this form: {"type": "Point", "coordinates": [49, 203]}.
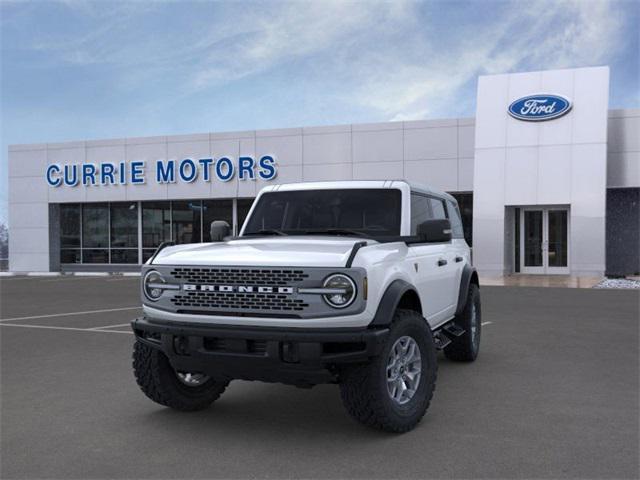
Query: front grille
{"type": "Point", "coordinates": [239, 301]}
{"type": "Point", "coordinates": [239, 276]}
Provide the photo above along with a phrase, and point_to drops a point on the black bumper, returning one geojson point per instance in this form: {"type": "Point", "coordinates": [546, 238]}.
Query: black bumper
{"type": "Point", "coordinates": [295, 356]}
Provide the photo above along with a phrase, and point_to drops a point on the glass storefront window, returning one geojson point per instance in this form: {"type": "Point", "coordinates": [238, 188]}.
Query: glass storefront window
{"type": "Point", "coordinates": [91, 255]}
{"type": "Point", "coordinates": [465, 204]}
{"type": "Point", "coordinates": [186, 218]}
{"type": "Point", "coordinates": [215, 210]}
{"type": "Point", "coordinates": [124, 255]}
{"type": "Point", "coordinates": [70, 255]}
{"type": "Point", "coordinates": [244, 205]}
{"type": "Point", "coordinates": [95, 225]}
{"type": "Point", "coordinates": [156, 223]}
{"type": "Point", "coordinates": [147, 253]}
{"type": "Point", "coordinates": [69, 226]}
{"type": "Point", "coordinates": [108, 232]}
{"type": "Point", "coordinates": [124, 225]}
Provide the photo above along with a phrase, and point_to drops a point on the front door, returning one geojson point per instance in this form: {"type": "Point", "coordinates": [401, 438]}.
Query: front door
{"type": "Point", "coordinates": [544, 240]}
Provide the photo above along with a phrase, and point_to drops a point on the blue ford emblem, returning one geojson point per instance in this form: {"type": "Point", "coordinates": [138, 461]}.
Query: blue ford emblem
{"type": "Point", "coordinates": [536, 108]}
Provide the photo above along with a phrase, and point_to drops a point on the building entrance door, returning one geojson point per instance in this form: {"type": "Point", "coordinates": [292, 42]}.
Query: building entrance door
{"type": "Point", "coordinates": [544, 240]}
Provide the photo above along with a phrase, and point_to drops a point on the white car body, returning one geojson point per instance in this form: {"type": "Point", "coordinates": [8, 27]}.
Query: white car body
{"type": "Point", "coordinates": [433, 269]}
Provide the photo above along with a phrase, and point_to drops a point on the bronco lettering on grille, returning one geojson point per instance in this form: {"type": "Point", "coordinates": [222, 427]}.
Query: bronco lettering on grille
{"type": "Point", "coordinates": [187, 287]}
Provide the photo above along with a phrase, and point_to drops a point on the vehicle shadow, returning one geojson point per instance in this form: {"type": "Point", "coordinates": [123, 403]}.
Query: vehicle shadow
{"type": "Point", "coordinates": [259, 409]}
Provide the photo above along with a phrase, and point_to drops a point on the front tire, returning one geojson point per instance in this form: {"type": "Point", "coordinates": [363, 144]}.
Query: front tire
{"type": "Point", "coordinates": [162, 384]}
{"type": "Point", "coordinates": [466, 347]}
{"type": "Point", "coordinates": [373, 393]}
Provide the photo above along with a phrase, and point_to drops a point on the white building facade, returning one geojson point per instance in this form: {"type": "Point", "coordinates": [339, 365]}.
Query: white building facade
{"type": "Point", "coordinates": [547, 177]}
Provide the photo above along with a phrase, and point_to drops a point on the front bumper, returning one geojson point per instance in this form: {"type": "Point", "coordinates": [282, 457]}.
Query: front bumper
{"type": "Point", "coordinates": [297, 356]}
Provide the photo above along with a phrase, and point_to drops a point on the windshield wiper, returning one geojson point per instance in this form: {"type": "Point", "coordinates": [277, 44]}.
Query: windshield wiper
{"type": "Point", "coordinates": [269, 231]}
{"type": "Point", "coordinates": [337, 231]}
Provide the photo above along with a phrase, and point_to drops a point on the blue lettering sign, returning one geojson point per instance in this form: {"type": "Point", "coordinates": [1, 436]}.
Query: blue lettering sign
{"type": "Point", "coordinates": [137, 173]}
{"type": "Point", "coordinates": [188, 174]}
{"type": "Point", "coordinates": [166, 171]}
{"type": "Point", "coordinates": [206, 168]}
{"type": "Point", "coordinates": [267, 168]}
{"type": "Point", "coordinates": [51, 180]}
{"type": "Point", "coordinates": [245, 168]}
{"type": "Point", "coordinates": [165, 174]}
{"type": "Point", "coordinates": [223, 164]}
{"type": "Point", "coordinates": [71, 175]}
{"type": "Point", "coordinates": [106, 173]}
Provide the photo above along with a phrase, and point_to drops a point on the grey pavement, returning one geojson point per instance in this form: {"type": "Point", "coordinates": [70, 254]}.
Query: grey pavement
{"type": "Point", "coordinates": [553, 394]}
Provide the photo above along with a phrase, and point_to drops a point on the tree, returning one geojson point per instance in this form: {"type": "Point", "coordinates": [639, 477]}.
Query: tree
{"type": "Point", "coordinates": [4, 241]}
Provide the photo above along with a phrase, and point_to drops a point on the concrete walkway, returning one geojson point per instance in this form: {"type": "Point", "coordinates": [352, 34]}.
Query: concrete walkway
{"type": "Point", "coordinates": [558, 281]}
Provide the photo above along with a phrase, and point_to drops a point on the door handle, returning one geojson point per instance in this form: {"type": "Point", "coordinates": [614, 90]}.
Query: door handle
{"type": "Point", "coordinates": [459, 259]}
{"type": "Point", "coordinates": [442, 262]}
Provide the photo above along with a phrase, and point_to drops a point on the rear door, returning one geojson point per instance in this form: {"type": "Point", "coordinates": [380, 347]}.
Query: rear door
{"type": "Point", "coordinates": [447, 260]}
{"type": "Point", "coordinates": [432, 265]}
{"type": "Point", "coordinates": [459, 245]}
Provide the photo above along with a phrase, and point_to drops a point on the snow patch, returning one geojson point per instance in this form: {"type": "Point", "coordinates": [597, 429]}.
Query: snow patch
{"type": "Point", "coordinates": [624, 283]}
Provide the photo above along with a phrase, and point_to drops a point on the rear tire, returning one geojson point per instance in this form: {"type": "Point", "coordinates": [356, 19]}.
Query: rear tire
{"type": "Point", "coordinates": [466, 347]}
{"type": "Point", "coordinates": [365, 388]}
{"type": "Point", "coordinates": [160, 382]}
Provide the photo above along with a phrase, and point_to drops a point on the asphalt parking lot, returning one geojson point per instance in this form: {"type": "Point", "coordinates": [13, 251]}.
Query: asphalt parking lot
{"type": "Point", "coordinates": [554, 394]}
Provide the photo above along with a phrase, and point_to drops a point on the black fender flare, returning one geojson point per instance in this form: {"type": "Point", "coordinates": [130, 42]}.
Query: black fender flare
{"type": "Point", "coordinates": [469, 275]}
{"type": "Point", "coordinates": [389, 302]}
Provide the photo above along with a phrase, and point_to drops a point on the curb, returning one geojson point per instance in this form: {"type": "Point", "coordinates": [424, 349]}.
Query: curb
{"type": "Point", "coordinates": [91, 274]}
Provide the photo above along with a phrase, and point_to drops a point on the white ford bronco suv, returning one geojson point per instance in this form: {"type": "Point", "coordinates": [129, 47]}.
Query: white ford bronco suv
{"type": "Point", "coordinates": [357, 283]}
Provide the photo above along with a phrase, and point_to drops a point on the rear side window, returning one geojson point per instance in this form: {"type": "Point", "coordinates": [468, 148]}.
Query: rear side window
{"type": "Point", "coordinates": [420, 211]}
{"type": "Point", "coordinates": [437, 208]}
{"type": "Point", "coordinates": [456, 221]}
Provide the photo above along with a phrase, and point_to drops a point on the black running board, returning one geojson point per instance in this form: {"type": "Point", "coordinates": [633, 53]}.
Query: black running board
{"type": "Point", "coordinates": [441, 340]}
{"type": "Point", "coordinates": [444, 335]}
{"type": "Point", "coordinates": [453, 329]}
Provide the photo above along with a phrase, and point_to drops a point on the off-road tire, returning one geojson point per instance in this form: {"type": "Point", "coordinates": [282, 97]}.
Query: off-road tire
{"type": "Point", "coordinates": [464, 348]}
{"type": "Point", "coordinates": [364, 387]}
{"type": "Point", "coordinates": [158, 381]}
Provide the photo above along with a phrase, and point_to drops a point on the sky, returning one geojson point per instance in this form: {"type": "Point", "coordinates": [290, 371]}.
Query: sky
{"type": "Point", "coordinates": [74, 70]}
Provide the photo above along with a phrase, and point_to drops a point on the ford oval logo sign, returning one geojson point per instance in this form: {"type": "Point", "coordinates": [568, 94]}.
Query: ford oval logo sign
{"type": "Point", "coordinates": [536, 108]}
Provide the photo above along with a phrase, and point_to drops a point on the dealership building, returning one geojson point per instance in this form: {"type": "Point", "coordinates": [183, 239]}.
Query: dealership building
{"type": "Point", "coordinates": [546, 175]}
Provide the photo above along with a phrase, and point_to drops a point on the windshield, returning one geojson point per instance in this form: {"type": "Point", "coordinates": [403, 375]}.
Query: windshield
{"type": "Point", "coordinates": [356, 212]}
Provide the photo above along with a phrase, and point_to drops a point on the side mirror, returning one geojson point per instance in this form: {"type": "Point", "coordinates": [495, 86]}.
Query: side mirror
{"type": "Point", "coordinates": [219, 230]}
{"type": "Point", "coordinates": [436, 230]}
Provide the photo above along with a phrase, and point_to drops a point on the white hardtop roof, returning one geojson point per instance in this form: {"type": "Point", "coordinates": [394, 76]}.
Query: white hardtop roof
{"type": "Point", "coordinates": [346, 184]}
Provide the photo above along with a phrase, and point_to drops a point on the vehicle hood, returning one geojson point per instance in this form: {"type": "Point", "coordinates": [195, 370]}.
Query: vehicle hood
{"type": "Point", "coordinates": [309, 251]}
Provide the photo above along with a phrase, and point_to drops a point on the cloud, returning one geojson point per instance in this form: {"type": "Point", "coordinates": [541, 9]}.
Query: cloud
{"type": "Point", "coordinates": [526, 36]}
{"type": "Point", "coordinates": [294, 31]}
{"type": "Point", "coordinates": [401, 60]}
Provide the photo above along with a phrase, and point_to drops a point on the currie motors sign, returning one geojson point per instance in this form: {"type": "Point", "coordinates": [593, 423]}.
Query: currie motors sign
{"type": "Point", "coordinates": [540, 107]}
{"type": "Point", "coordinates": [187, 170]}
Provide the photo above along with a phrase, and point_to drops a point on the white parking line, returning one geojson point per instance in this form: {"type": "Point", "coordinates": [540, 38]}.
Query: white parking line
{"type": "Point", "coordinates": [48, 327]}
{"type": "Point", "coordinates": [486, 323]}
{"type": "Point", "coordinates": [67, 278]}
{"type": "Point", "coordinates": [19, 279]}
{"type": "Point", "coordinates": [110, 326]}
{"type": "Point", "coordinates": [88, 312]}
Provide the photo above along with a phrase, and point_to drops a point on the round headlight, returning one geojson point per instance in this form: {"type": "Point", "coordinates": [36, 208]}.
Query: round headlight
{"type": "Point", "coordinates": [152, 285]}
{"type": "Point", "coordinates": [344, 290]}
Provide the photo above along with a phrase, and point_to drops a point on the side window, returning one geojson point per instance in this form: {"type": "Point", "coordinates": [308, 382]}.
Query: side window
{"type": "Point", "coordinates": [456, 221]}
{"type": "Point", "coordinates": [437, 207]}
{"type": "Point", "coordinates": [420, 211]}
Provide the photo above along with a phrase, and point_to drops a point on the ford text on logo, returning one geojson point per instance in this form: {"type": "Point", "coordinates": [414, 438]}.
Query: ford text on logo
{"type": "Point", "coordinates": [536, 108]}
{"type": "Point", "coordinates": [237, 289]}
